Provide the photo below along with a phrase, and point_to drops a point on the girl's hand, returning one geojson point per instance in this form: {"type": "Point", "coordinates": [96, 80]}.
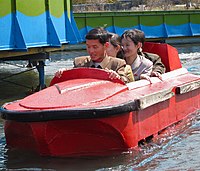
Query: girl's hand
{"type": "Point", "coordinates": [157, 74]}
{"type": "Point", "coordinates": [146, 77]}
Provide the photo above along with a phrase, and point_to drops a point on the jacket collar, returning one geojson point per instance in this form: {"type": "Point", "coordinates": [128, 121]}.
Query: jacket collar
{"type": "Point", "coordinates": [103, 63]}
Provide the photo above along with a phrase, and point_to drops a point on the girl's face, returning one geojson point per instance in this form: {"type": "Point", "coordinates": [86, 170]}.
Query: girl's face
{"type": "Point", "coordinates": [112, 50]}
{"type": "Point", "coordinates": [130, 49]}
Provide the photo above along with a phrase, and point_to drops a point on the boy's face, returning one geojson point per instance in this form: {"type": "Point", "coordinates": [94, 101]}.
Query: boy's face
{"type": "Point", "coordinates": [96, 50]}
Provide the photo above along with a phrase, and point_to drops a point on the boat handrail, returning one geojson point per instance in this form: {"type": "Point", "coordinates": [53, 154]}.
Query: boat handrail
{"type": "Point", "coordinates": [84, 72]}
{"type": "Point", "coordinates": [172, 74]}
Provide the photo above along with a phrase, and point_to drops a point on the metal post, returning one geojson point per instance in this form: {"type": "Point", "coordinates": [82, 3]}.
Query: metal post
{"type": "Point", "coordinates": [40, 68]}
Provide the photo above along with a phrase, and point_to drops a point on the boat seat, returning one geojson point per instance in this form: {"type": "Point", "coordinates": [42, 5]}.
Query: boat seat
{"type": "Point", "coordinates": [169, 55]}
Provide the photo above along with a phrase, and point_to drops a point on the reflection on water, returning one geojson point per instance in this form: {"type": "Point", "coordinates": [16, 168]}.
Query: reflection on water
{"type": "Point", "coordinates": [62, 164]}
{"type": "Point", "coordinates": [191, 62]}
{"type": "Point", "coordinates": [177, 148]}
{"type": "Point", "coordinates": [18, 86]}
{"type": "Point", "coordinates": [190, 57]}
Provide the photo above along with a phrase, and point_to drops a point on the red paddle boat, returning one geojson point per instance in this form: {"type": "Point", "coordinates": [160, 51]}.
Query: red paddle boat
{"type": "Point", "coordinates": [84, 113]}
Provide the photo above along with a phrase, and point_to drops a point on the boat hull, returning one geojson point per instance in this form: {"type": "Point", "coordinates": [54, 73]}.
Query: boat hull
{"type": "Point", "coordinates": [100, 136]}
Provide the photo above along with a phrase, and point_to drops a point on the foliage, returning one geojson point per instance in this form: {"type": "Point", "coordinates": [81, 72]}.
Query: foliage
{"type": "Point", "coordinates": [102, 5]}
{"type": "Point", "coordinates": [92, 1]}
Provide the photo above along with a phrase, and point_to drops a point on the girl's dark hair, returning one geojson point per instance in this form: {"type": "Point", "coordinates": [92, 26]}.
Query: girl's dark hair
{"type": "Point", "coordinates": [135, 35]}
{"type": "Point", "coordinates": [115, 40]}
{"type": "Point", "coordinates": [98, 33]}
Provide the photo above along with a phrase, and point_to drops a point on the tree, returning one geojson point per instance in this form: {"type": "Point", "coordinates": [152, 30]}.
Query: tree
{"type": "Point", "coordinates": [92, 1]}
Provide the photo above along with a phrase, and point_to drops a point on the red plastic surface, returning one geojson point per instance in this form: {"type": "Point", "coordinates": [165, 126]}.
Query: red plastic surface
{"type": "Point", "coordinates": [78, 73]}
{"type": "Point", "coordinates": [73, 93]}
{"type": "Point", "coordinates": [169, 55]}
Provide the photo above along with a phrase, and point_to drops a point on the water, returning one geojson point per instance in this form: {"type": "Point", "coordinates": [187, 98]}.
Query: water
{"type": "Point", "coordinates": [175, 149]}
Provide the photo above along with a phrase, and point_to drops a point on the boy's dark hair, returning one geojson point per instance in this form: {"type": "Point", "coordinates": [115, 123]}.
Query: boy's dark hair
{"type": "Point", "coordinates": [135, 35]}
{"type": "Point", "coordinates": [98, 33]}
